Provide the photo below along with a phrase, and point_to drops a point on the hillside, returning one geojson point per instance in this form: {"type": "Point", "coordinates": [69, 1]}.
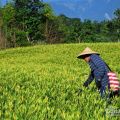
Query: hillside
{"type": "Point", "coordinates": [43, 82]}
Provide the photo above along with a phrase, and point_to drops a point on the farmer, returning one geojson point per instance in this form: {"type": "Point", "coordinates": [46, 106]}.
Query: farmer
{"type": "Point", "coordinates": [99, 70]}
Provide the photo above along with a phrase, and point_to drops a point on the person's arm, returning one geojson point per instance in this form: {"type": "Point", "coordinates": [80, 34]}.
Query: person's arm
{"type": "Point", "coordinates": [89, 80]}
{"type": "Point", "coordinates": [104, 85]}
{"type": "Point", "coordinates": [99, 77]}
{"type": "Point", "coordinates": [103, 91]}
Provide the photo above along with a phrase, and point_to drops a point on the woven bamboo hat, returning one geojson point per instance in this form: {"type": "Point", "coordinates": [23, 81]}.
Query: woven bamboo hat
{"type": "Point", "coordinates": [87, 51]}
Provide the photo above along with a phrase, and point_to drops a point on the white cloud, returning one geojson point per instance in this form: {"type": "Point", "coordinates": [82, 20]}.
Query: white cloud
{"type": "Point", "coordinates": [70, 6]}
{"type": "Point", "coordinates": [74, 6]}
{"type": "Point", "coordinates": [107, 16]}
{"type": "Point", "coordinates": [82, 8]}
{"type": "Point", "coordinates": [90, 1]}
{"type": "Point", "coordinates": [108, 1]}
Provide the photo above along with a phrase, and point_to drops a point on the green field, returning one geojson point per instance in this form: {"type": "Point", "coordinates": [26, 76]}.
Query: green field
{"type": "Point", "coordinates": [42, 82]}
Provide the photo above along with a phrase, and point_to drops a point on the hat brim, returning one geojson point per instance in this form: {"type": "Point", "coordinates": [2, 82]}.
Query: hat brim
{"type": "Point", "coordinates": [82, 56]}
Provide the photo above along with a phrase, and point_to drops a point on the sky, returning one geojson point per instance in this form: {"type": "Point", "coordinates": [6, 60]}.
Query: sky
{"type": "Point", "coordinates": [84, 9]}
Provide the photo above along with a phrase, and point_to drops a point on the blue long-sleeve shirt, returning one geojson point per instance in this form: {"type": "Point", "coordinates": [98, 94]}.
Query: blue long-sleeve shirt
{"type": "Point", "coordinates": [99, 72]}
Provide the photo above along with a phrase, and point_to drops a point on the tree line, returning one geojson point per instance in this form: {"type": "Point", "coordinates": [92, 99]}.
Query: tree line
{"type": "Point", "coordinates": [29, 22]}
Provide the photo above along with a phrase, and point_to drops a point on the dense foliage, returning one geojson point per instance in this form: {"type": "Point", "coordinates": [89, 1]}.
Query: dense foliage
{"type": "Point", "coordinates": [43, 82]}
{"type": "Point", "coordinates": [26, 22]}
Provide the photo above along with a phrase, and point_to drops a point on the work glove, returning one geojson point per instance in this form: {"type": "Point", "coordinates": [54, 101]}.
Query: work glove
{"type": "Point", "coordinates": [85, 84]}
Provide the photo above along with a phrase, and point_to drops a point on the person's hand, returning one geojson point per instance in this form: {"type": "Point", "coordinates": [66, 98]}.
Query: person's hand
{"type": "Point", "coordinates": [85, 84]}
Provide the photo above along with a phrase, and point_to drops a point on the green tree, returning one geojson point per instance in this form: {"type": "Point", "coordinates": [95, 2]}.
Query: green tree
{"type": "Point", "coordinates": [117, 23]}
{"type": "Point", "coordinates": [8, 18]}
{"type": "Point", "coordinates": [48, 20]}
{"type": "Point", "coordinates": [28, 17]}
{"type": "Point", "coordinates": [87, 31]}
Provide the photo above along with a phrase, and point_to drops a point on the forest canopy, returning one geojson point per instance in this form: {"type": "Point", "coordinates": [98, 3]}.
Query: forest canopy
{"type": "Point", "coordinates": [28, 22]}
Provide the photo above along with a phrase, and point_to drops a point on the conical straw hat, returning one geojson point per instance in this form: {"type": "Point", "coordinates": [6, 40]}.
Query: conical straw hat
{"type": "Point", "coordinates": [87, 51]}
